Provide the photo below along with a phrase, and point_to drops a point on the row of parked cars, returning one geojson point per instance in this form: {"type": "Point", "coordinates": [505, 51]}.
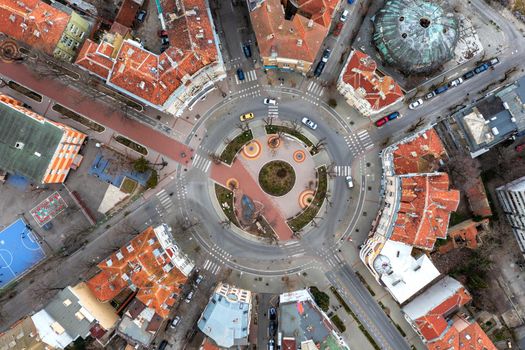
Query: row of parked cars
{"type": "Point", "coordinates": [456, 82]}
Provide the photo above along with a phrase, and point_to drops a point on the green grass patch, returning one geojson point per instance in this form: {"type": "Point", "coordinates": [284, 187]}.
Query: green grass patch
{"type": "Point", "coordinates": [307, 215]}
{"type": "Point", "coordinates": [277, 178]}
{"type": "Point", "coordinates": [338, 323]}
{"type": "Point", "coordinates": [66, 112]}
{"type": "Point", "coordinates": [228, 155]}
{"type": "Point", "coordinates": [321, 298]}
{"type": "Point", "coordinates": [25, 91]}
{"type": "Point", "coordinates": [274, 129]}
{"type": "Point", "coordinates": [131, 144]}
{"type": "Point", "coordinates": [128, 185]}
{"type": "Point", "coordinates": [224, 195]}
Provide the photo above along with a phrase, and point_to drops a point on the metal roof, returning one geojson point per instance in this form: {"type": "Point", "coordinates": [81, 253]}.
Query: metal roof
{"type": "Point", "coordinates": [416, 36]}
{"type": "Point", "coordinates": [37, 142]}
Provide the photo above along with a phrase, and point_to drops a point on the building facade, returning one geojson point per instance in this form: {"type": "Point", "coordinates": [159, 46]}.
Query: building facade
{"type": "Point", "coordinates": [512, 199]}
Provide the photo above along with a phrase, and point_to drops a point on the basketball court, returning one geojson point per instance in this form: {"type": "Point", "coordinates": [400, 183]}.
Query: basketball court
{"type": "Point", "coordinates": [49, 208]}
{"type": "Point", "coordinates": [19, 251]}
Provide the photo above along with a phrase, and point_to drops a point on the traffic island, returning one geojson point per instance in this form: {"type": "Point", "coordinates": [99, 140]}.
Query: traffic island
{"type": "Point", "coordinates": [277, 178]}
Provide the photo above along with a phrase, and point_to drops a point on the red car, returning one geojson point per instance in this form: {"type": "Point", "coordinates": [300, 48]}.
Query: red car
{"type": "Point", "coordinates": [381, 121]}
{"type": "Point", "coordinates": [337, 29]}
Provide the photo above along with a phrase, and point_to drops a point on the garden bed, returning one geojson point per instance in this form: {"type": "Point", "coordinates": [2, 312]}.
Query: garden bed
{"type": "Point", "coordinates": [274, 129]}
{"type": "Point", "coordinates": [224, 195]}
{"type": "Point", "coordinates": [66, 112]}
{"type": "Point", "coordinates": [228, 155]}
{"type": "Point", "coordinates": [307, 215]}
{"type": "Point", "coordinates": [25, 91]}
{"type": "Point", "coordinates": [277, 178]}
{"type": "Point", "coordinates": [131, 144]}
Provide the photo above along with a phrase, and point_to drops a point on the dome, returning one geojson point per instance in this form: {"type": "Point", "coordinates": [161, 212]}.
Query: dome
{"type": "Point", "coordinates": [416, 36]}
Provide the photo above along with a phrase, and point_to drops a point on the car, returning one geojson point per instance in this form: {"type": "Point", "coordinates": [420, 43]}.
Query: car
{"type": "Point", "coordinates": [349, 181]}
{"type": "Point", "coordinates": [247, 50]}
{"type": "Point", "coordinates": [189, 297]}
{"type": "Point", "coordinates": [270, 101]}
{"type": "Point", "coordinates": [240, 74]}
{"type": "Point", "coordinates": [272, 328]}
{"type": "Point", "coordinates": [520, 147]}
{"type": "Point", "coordinates": [271, 344]}
{"type": "Point", "coordinates": [309, 123]}
{"type": "Point", "coordinates": [338, 28]}
{"type": "Point", "coordinates": [455, 82]}
{"type": "Point", "coordinates": [493, 61]}
{"type": "Point", "coordinates": [468, 75]}
{"type": "Point", "coordinates": [141, 16]}
{"type": "Point", "coordinates": [163, 345]}
{"type": "Point", "coordinates": [441, 89]}
{"type": "Point", "coordinates": [326, 55]}
{"type": "Point", "coordinates": [430, 95]}
{"type": "Point", "coordinates": [415, 104]}
{"type": "Point", "coordinates": [272, 313]}
{"type": "Point", "coordinates": [162, 33]}
{"type": "Point", "coordinates": [319, 68]}
{"type": "Point", "coordinates": [481, 68]}
{"type": "Point", "coordinates": [246, 116]}
{"type": "Point", "coordinates": [175, 322]}
{"type": "Point", "coordinates": [199, 279]}
{"type": "Point", "coordinates": [344, 16]}
{"type": "Point", "coordinates": [380, 122]}
{"type": "Point", "coordinates": [393, 115]}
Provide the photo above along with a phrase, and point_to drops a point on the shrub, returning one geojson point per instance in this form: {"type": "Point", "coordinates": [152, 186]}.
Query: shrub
{"type": "Point", "coordinates": [321, 298]}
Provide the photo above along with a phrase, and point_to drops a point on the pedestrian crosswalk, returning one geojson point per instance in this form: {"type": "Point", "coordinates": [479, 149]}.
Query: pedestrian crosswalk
{"type": "Point", "coordinates": [165, 200]}
{"type": "Point", "coordinates": [343, 170]}
{"type": "Point", "coordinates": [359, 142]}
{"type": "Point", "coordinates": [248, 76]}
{"type": "Point", "coordinates": [273, 111]}
{"type": "Point", "coordinates": [315, 88]}
{"type": "Point", "coordinates": [212, 266]}
{"type": "Point", "coordinates": [201, 162]}
{"type": "Point", "coordinates": [365, 139]}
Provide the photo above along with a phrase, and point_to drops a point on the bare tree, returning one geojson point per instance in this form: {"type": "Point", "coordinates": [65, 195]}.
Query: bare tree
{"type": "Point", "coordinates": [465, 170]}
{"type": "Point", "coordinates": [268, 121]}
{"type": "Point", "coordinates": [215, 158]}
{"type": "Point", "coordinates": [243, 126]}
{"type": "Point", "coordinates": [319, 146]}
{"type": "Point", "coordinates": [226, 223]}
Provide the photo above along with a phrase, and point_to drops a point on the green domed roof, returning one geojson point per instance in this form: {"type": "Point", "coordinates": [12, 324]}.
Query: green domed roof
{"type": "Point", "coordinates": [416, 36]}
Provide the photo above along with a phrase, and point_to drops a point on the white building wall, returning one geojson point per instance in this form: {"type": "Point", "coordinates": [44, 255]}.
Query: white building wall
{"type": "Point", "coordinates": [512, 199]}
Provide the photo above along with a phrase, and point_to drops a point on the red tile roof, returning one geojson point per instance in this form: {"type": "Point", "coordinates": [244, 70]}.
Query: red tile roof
{"type": "Point", "coordinates": [33, 22]}
{"type": "Point", "coordinates": [434, 324]}
{"type": "Point", "coordinates": [277, 35]}
{"type": "Point", "coordinates": [127, 12]}
{"type": "Point", "coordinates": [477, 199]}
{"type": "Point", "coordinates": [420, 155]}
{"type": "Point", "coordinates": [379, 90]}
{"type": "Point", "coordinates": [96, 58]}
{"type": "Point", "coordinates": [463, 336]}
{"type": "Point", "coordinates": [154, 78]}
{"type": "Point", "coordinates": [142, 264]}
{"type": "Point", "coordinates": [425, 207]}
{"type": "Point", "coordinates": [289, 344]}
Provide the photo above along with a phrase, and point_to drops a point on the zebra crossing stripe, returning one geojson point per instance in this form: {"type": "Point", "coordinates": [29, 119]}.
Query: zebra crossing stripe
{"type": "Point", "coordinates": [206, 264]}
{"type": "Point", "coordinates": [362, 132]}
{"type": "Point", "coordinates": [207, 166]}
{"type": "Point", "coordinates": [236, 80]}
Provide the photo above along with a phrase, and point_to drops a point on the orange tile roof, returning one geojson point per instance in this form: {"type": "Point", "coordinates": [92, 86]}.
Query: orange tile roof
{"type": "Point", "coordinates": [154, 78]}
{"type": "Point", "coordinates": [433, 324]}
{"type": "Point", "coordinates": [477, 199]}
{"type": "Point", "coordinates": [127, 12]}
{"type": "Point", "coordinates": [463, 336]}
{"type": "Point", "coordinates": [142, 264]}
{"type": "Point", "coordinates": [96, 58]}
{"type": "Point", "coordinates": [420, 155]}
{"type": "Point", "coordinates": [276, 35]}
{"type": "Point", "coordinates": [33, 22]}
{"type": "Point", "coordinates": [379, 90]}
{"type": "Point", "coordinates": [466, 231]}
{"type": "Point", "coordinates": [425, 207]}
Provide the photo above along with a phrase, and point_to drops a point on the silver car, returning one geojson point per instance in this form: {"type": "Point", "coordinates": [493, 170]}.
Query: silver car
{"type": "Point", "coordinates": [415, 104]}
{"type": "Point", "coordinates": [309, 123]}
{"type": "Point", "coordinates": [349, 181]}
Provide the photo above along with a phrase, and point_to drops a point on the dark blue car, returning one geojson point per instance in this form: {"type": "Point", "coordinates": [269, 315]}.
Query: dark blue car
{"type": "Point", "coordinates": [393, 115]}
{"type": "Point", "coordinates": [441, 89]}
{"type": "Point", "coordinates": [481, 68]}
{"type": "Point", "coordinates": [240, 74]}
{"type": "Point", "coordinates": [247, 50]}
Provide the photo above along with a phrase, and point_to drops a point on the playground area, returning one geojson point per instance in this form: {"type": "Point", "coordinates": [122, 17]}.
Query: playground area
{"type": "Point", "coordinates": [113, 168]}
{"type": "Point", "coordinates": [19, 252]}
{"type": "Point", "coordinates": [48, 209]}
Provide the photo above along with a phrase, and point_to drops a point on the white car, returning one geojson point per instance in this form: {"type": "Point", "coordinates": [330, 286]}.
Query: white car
{"type": "Point", "coordinates": [175, 322]}
{"type": "Point", "coordinates": [455, 82]}
{"type": "Point", "coordinates": [188, 298]}
{"type": "Point", "coordinates": [309, 123]}
{"type": "Point", "coordinates": [430, 95]}
{"type": "Point", "coordinates": [270, 101]}
{"type": "Point", "coordinates": [344, 16]}
{"type": "Point", "coordinates": [415, 104]}
{"type": "Point", "coordinates": [349, 181]}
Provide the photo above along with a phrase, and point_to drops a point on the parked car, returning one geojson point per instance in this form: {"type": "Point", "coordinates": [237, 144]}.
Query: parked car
{"type": "Point", "coordinates": [455, 82]}
{"type": "Point", "coordinates": [272, 313]}
{"type": "Point", "coordinates": [271, 344]}
{"type": "Point", "coordinates": [481, 68]}
{"type": "Point", "coordinates": [344, 16]}
{"type": "Point", "coordinates": [270, 101]}
{"type": "Point", "coordinates": [415, 104]}
{"type": "Point", "coordinates": [326, 55]}
{"type": "Point", "coordinates": [141, 16]}
{"type": "Point", "coordinates": [520, 147]}
{"type": "Point", "coordinates": [441, 89]}
{"type": "Point", "coordinates": [163, 345]}
{"type": "Point", "coordinates": [338, 28]}
{"type": "Point", "coordinates": [246, 116]}
{"type": "Point", "coordinates": [468, 75]}
{"type": "Point", "coordinates": [272, 328]}
{"type": "Point", "coordinates": [199, 279]}
{"type": "Point", "coordinates": [309, 123]}
{"type": "Point", "coordinates": [380, 122]}
{"type": "Point", "coordinates": [175, 322]}
{"type": "Point", "coordinates": [319, 68]}
{"type": "Point", "coordinates": [430, 95]}
{"type": "Point", "coordinates": [349, 181]}
{"type": "Point", "coordinates": [493, 61]}
{"type": "Point", "coordinates": [247, 50]}
{"type": "Point", "coordinates": [189, 297]}
{"type": "Point", "coordinates": [240, 74]}
{"type": "Point", "coordinates": [394, 115]}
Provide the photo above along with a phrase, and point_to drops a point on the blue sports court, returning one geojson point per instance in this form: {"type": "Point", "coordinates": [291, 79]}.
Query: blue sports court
{"type": "Point", "coordinates": [19, 251]}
